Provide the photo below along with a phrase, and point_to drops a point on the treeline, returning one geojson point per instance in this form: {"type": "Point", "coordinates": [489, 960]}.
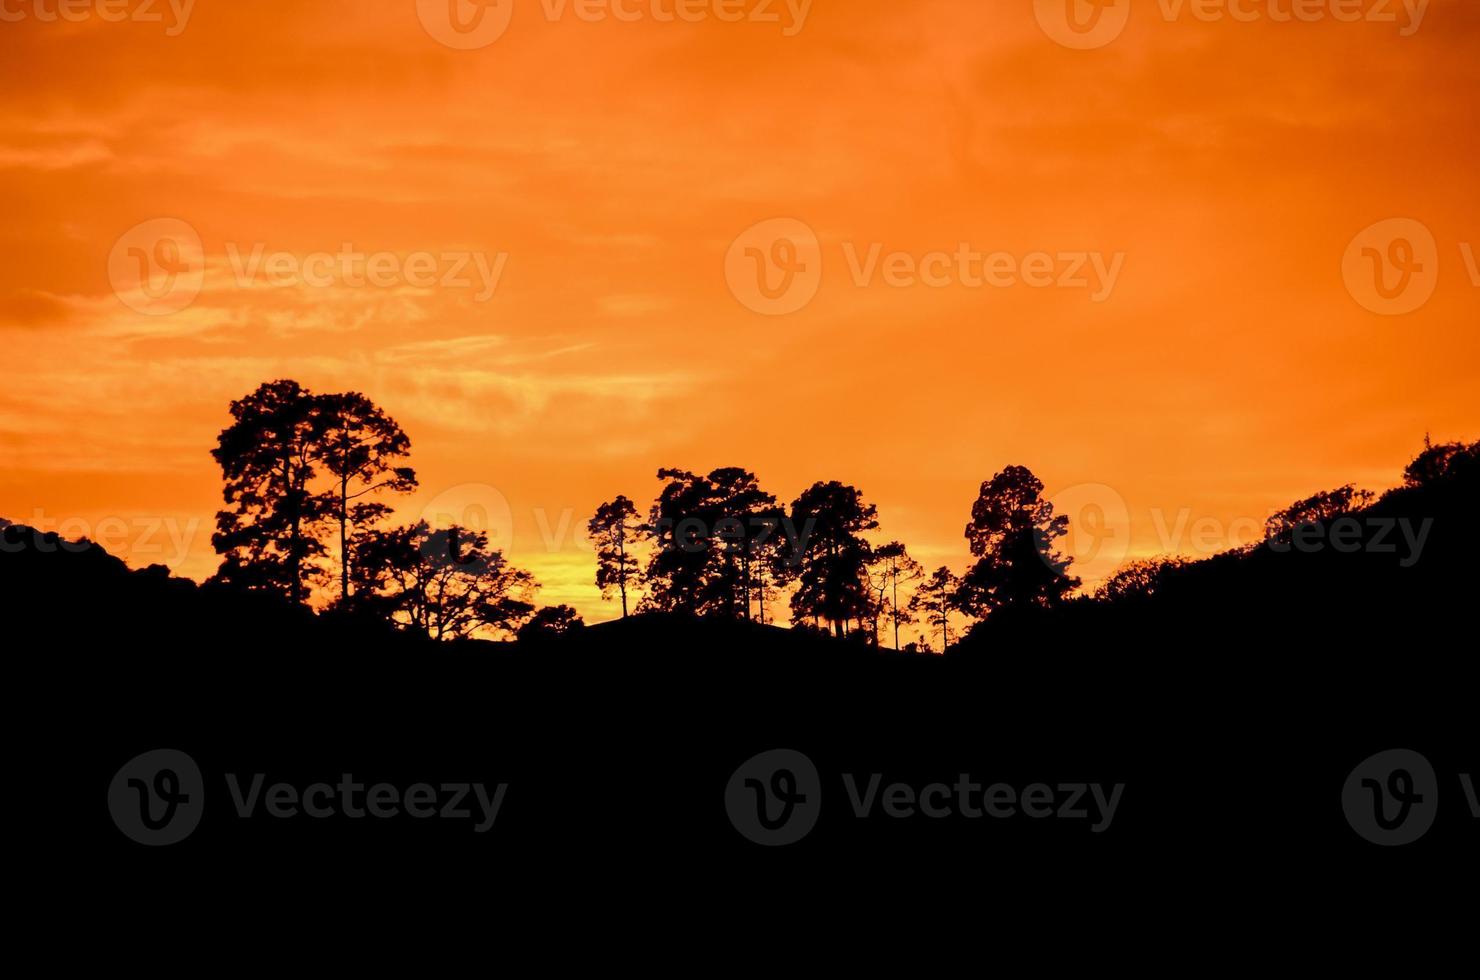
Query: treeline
{"type": "Point", "coordinates": [720, 545]}
{"type": "Point", "coordinates": [303, 471]}
{"type": "Point", "coordinates": [1393, 529]}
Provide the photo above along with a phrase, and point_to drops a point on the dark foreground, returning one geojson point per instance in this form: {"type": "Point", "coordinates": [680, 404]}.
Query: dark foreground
{"type": "Point", "coordinates": [1226, 744]}
{"type": "Point", "coordinates": [616, 755]}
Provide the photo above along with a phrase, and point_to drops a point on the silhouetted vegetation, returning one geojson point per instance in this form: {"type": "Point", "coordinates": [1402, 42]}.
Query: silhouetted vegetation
{"type": "Point", "coordinates": [444, 582]}
{"type": "Point", "coordinates": [1012, 534]}
{"type": "Point", "coordinates": [302, 469]}
{"type": "Point", "coordinates": [615, 530]}
{"type": "Point", "coordinates": [550, 623]}
{"type": "Point", "coordinates": [281, 440]}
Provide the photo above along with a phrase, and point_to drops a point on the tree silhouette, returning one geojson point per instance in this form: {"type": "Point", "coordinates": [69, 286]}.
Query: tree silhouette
{"type": "Point", "coordinates": [707, 531]}
{"type": "Point", "coordinates": [269, 539]}
{"type": "Point", "coordinates": [1012, 534]}
{"type": "Point", "coordinates": [771, 557]}
{"type": "Point", "coordinates": [615, 528]}
{"type": "Point", "coordinates": [832, 576]}
{"type": "Point", "coordinates": [740, 509]}
{"type": "Point", "coordinates": [447, 583]}
{"type": "Point", "coordinates": [892, 565]}
{"type": "Point", "coordinates": [1437, 462]}
{"type": "Point", "coordinates": [1138, 579]}
{"type": "Point", "coordinates": [934, 599]}
{"type": "Point", "coordinates": [361, 446]}
{"type": "Point", "coordinates": [1317, 508]}
{"type": "Point", "coordinates": [681, 523]}
{"type": "Point", "coordinates": [551, 622]}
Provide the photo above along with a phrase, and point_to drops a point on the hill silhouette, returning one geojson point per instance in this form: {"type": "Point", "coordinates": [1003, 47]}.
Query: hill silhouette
{"type": "Point", "coordinates": [1231, 700]}
{"type": "Point", "coordinates": [1390, 586]}
{"type": "Point", "coordinates": [1401, 571]}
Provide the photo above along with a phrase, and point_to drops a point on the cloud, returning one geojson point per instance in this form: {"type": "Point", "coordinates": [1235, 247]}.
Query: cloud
{"type": "Point", "coordinates": [30, 308]}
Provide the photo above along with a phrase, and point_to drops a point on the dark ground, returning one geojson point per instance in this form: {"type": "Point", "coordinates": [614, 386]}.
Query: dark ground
{"type": "Point", "coordinates": [1231, 708]}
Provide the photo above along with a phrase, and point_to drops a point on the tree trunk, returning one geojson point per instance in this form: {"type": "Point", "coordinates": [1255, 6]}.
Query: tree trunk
{"type": "Point", "coordinates": [895, 610]}
{"type": "Point", "coordinates": [745, 579]}
{"type": "Point", "coordinates": [761, 595]}
{"type": "Point", "coordinates": [344, 540]}
{"type": "Point", "coordinates": [295, 549]}
{"type": "Point", "coordinates": [622, 568]}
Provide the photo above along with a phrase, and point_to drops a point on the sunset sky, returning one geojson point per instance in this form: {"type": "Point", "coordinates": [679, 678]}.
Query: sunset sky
{"type": "Point", "coordinates": [1215, 176]}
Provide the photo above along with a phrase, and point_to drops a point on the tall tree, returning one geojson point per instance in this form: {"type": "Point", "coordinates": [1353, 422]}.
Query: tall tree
{"type": "Point", "coordinates": [771, 556]}
{"type": "Point", "coordinates": [706, 533]}
{"type": "Point", "coordinates": [615, 529]}
{"type": "Point", "coordinates": [891, 566]}
{"type": "Point", "coordinates": [934, 598]}
{"type": "Point", "coordinates": [270, 536]}
{"type": "Point", "coordinates": [681, 524]}
{"type": "Point", "coordinates": [832, 577]}
{"type": "Point", "coordinates": [740, 508]}
{"type": "Point", "coordinates": [448, 584]}
{"type": "Point", "coordinates": [1012, 534]}
{"type": "Point", "coordinates": [364, 449]}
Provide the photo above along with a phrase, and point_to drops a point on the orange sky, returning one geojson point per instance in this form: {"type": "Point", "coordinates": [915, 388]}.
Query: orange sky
{"type": "Point", "coordinates": [1229, 164]}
